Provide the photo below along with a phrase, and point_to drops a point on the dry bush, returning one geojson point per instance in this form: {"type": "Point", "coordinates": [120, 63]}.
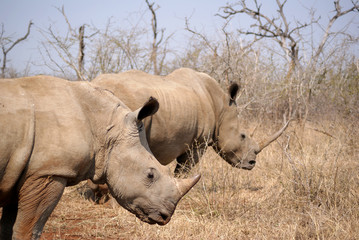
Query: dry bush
{"type": "Point", "coordinates": [305, 186]}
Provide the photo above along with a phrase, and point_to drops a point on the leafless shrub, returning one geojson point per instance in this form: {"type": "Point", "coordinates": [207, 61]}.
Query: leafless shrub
{"type": "Point", "coordinates": [119, 50]}
{"type": "Point", "coordinates": [69, 49]}
{"type": "Point", "coordinates": [5, 41]}
{"type": "Point", "coordinates": [268, 86]}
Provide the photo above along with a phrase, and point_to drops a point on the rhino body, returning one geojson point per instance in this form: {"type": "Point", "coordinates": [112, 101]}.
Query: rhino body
{"type": "Point", "coordinates": [194, 112]}
{"type": "Point", "coordinates": [56, 133]}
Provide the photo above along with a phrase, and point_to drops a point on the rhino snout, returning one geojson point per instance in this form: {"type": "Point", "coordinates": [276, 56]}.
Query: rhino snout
{"type": "Point", "coordinates": [249, 165]}
{"type": "Point", "coordinates": [161, 218]}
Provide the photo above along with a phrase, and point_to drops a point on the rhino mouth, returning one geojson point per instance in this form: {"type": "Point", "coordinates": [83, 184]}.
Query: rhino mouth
{"type": "Point", "coordinates": [154, 217]}
{"type": "Point", "coordinates": [239, 162]}
{"type": "Point", "coordinates": [246, 165]}
{"type": "Point", "coordinates": [249, 166]}
{"type": "Point", "coordinates": [160, 219]}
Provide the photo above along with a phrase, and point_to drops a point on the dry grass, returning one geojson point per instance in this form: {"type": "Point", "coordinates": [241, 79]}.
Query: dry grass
{"type": "Point", "coordinates": [305, 186]}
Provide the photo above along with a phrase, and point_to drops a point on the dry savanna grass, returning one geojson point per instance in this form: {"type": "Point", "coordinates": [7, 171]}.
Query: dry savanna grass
{"type": "Point", "coordinates": [305, 186]}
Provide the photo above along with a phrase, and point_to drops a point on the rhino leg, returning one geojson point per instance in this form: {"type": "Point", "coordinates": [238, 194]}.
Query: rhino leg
{"type": "Point", "coordinates": [38, 197]}
{"type": "Point", "coordinates": [186, 162]}
{"type": "Point", "coordinates": [97, 193]}
{"type": "Point", "coordinates": [8, 218]}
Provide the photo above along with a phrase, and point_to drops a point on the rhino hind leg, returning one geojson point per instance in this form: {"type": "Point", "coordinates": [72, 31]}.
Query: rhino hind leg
{"type": "Point", "coordinates": [8, 218]}
{"type": "Point", "coordinates": [37, 199]}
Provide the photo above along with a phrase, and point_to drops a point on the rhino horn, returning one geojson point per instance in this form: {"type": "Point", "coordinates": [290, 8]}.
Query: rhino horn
{"type": "Point", "coordinates": [184, 185]}
{"type": "Point", "coordinates": [272, 138]}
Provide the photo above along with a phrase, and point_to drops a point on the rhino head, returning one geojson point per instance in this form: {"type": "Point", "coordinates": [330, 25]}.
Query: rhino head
{"type": "Point", "coordinates": [233, 144]}
{"type": "Point", "coordinates": [135, 178]}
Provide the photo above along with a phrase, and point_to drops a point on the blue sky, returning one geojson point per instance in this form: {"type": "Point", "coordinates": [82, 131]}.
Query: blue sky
{"type": "Point", "coordinates": [15, 15]}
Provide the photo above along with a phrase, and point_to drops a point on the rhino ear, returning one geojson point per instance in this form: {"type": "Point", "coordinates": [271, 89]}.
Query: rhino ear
{"type": "Point", "coordinates": [148, 109]}
{"type": "Point", "coordinates": [233, 91]}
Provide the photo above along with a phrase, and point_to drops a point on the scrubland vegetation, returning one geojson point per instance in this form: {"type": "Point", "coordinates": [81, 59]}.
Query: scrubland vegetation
{"type": "Point", "coordinates": [304, 186]}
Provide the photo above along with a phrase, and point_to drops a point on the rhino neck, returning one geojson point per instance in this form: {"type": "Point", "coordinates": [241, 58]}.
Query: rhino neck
{"type": "Point", "coordinates": [217, 100]}
{"type": "Point", "coordinates": [99, 106]}
{"type": "Point", "coordinates": [226, 114]}
{"type": "Point", "coordinates": [216, 131]}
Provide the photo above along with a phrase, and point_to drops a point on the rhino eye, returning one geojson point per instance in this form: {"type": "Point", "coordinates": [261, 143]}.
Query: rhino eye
{"type": "Point", "coordinates": [151, 173]}
{"type": "Point", "coordinates": [243, 136]}
{"type": "Point", "coordinates": [150, 177]}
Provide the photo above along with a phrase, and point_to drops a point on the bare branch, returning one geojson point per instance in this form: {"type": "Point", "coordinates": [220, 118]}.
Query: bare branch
{"type": "Point", "coordinates": [71, 30]}
{"type": "Point", "coordinates": [201, 36]}
{"type": "Point", "coordinates": [73, 40]}
{"type": "Point", "coordinates": [339, 13]}
{"type": "Point", "coordinates": [81, 56]}
{"type": "Point", "coordinates": [284, 19]}
{"type": "Point", "coordinates": [20, 39]}
{"type": "Point", "coordinates": [155, 43]}
{"type": "Point", "coordinates": [276, 28]}
{"type": "Point", "coordinates": [6, 51]}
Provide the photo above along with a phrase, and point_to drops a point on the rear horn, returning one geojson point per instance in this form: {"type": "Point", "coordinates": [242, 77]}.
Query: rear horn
{"type": "Point", "coordinates": [276, 135]}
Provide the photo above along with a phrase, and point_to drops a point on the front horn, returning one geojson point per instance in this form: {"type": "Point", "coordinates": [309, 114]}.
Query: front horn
{"type": "Point", "coordinates": [184, 185]}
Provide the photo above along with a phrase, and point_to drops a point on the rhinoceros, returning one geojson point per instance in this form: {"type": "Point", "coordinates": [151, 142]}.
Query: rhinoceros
{"type": "Point", "coordinates": [56, 133]}
{"type": "Point", "coordinates": [194, 112]}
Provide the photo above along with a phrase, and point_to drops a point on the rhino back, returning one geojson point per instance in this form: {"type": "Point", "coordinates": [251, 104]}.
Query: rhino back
{"type": "Point", "coordinates": [211, 94]}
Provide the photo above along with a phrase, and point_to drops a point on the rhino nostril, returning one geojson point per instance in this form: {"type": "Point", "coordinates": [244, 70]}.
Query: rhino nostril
{"type": "Point", "coordinates": [252, 162]}
{"type": "Point", "coordinates": [164, 216]}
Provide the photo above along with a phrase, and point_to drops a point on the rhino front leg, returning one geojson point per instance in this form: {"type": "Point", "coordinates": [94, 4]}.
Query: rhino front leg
{"type": "Point", "coordinates": [8, 218]}
{"type": "Point", "coordinates": [186, 162]}
{"type": "Point", "coordinates": [38, 197]}
{"type": "Point", "coordinates": [97, 193]}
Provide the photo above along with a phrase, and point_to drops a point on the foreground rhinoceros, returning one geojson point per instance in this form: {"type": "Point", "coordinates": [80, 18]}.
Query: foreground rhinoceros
{"type": "Point", "coordinates": [55, 133]}
{"type": "Point", "coordinates": [194, 112]}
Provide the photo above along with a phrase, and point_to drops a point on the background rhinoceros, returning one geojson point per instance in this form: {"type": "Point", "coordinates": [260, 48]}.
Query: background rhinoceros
{"type": "Point", "coordinates": [194, 112]}
{"type": "Point", "coordinates": [56, 133]}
